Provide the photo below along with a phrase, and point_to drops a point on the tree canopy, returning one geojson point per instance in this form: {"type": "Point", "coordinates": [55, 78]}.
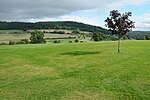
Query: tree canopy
{"type": "Point", "coordinates": [37, 37]}
{"type": "Point", "coordinates": [119, 24]}
{"type": "Point", "coordinates": [66, 25]}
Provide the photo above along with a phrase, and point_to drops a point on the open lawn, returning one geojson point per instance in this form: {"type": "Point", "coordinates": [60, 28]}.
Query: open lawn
{"type": "Point", "coordinates": [75, 71]}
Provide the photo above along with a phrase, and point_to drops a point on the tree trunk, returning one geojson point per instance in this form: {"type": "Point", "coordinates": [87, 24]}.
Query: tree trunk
{"type": "Point", "coordinates": [118, 44]}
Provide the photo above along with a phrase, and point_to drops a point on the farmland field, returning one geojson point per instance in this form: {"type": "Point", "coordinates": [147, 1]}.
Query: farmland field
{"type": "Point", "coordinates": [16, 35]}
{"type": "Point", "coordinates": [75, 71]}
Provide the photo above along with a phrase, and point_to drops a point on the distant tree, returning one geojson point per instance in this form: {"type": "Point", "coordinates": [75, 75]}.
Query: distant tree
{"type": "Point", "coordinates": [25, 40]}
{"type": "Point", "coordinates": [11, 43]}
{"type": "Point", "coordinates": [37, 37]}
{"type": "Point", "coordinates": [98, 36]}
{"type": "Point", "coordinates": [56, 41]}
{"type": "Point", "coordinates": [76, 40]}
{"type": "Point", "coordinates": [147, 37]}
{"type": "Point", "coordinates": [76, 32]}
{"type": "Point", "coordinates": [119, 24]}
{"type": "Point", "coordinates": [83, 35]}
{"type": "Point", "coordinates": [124, 37]}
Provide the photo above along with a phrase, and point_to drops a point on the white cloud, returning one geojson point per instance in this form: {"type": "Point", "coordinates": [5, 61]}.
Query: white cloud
{"type": "Point", "coordinates": [92, 21]}
{"type": "Point", "coordinates": [61, 10]}
{"type": "Point", "coordinates": [33, 9]}
{"type": "Point", "coordinates": [120, 3]}
{"type": "Point", "coordinates": [138, 2]}
{"type": "Point", "coordinates": [142, 22]}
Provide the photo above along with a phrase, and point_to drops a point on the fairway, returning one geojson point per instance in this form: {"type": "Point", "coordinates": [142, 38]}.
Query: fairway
{"type": "Point", "coordinates": [75, 71]}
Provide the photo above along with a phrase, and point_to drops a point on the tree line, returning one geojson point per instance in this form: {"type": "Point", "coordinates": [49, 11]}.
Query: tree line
{"type": "Point", "coordinates": [66, 25]}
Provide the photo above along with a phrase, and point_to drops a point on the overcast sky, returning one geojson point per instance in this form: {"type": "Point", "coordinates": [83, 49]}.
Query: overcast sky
{"type": "Point", "coordinates": [87, 11]}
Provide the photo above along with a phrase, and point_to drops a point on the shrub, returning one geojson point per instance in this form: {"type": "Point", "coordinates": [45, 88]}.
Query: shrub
{"type": "Point", "coordinates": [147, 37]}
{"type": "Point", "coordinates": [58, 32]}
{"type": "Point", "coordinates": [3, 43]}
{"type": "Point", "coordinates": [56, 41]}
{"type": "Point", "coordinates": [76, 40]}
{"type": "Point", "coordinates": [98, 36]}
{"type": "Point", "coordinates": [25, 40]}
{"type": "Point", "coordinates": [11, 43]}
{"type": "Point", "coordinates": [70, 41]}
{"type": "Point", "coordinates": [76, 32]}
{"type": "Point", "coordinates": [20, 42]}
{"type": "Point", "coordinates": [37, 37]}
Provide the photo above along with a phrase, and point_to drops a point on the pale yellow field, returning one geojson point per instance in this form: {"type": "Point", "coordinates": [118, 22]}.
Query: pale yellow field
{"type": "Point", "coordinates": [16, 37]}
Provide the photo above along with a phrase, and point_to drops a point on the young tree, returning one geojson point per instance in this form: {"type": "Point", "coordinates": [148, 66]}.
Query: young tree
{"type": "Point", "coordinates": [119, 24]}
{"type": "Point", "coordinates": [98, 36]}
{"type": "Point", "coordinates": [37, 37]}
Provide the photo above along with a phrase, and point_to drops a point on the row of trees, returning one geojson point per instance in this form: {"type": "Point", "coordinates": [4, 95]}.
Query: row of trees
{"type": "Point", "coordinates": [67, 25]}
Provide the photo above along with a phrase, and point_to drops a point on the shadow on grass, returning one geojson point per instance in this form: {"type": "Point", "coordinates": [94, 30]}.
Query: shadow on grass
{"type": "Point", "coordinates": [78, 53]}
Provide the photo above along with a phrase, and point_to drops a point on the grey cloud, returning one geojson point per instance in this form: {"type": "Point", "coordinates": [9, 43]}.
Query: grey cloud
{"type": "Point", "coordinates": [37, 9]}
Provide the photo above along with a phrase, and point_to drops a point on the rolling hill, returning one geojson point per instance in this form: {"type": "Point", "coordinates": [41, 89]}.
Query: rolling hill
{"type": "Point", "coordinates": [66, 25]}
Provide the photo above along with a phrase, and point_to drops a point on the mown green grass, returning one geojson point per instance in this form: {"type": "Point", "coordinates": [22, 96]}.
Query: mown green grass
{"type": "Point", "coordinates": [76, 71]}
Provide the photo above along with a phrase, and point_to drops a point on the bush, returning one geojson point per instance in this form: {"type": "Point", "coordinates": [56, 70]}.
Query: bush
{"type": "Point", "coordinates": [70, 41]}
{"type": "Point", "coordinates": [25, 40]}
{"type": "Point", "coordinates": [44, 41]}
{"type": "Point", "coordinates": [98, 36]}
{"type": "Point", "coordinates": [37, 37]}
{"type": "Point", "coordinates": [11, 43]}
{"type": "Point", "coordinates": [58, 32]}
{"type": "Point", "coordinates": [76, 32]}
{"type": "Point", "coordinates": [76, 40]}
{"type": "Point", "coordinates": [3, 43]}
{"type": "Point", "coordinates": [56, 41]}
{"type": "Point", "coordinates": [20, 42]}
{"type": "Point", "coordinates": [147, 37]}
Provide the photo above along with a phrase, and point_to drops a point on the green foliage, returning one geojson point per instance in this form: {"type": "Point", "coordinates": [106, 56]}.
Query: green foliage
{"type": "Point", "coordinates": [76, 40]}
{"type": "Point", "coordinates": [70, 41]}
{"type": "Point", "coordinates": [37, 37]}
{"type": "Point", "coordinates": [11, 43]}
{"type": "Point", "coordinates": [138, 35]}
{"type": "Point", "coordinates": [111, 37]}
{"type": "Point", "coordinates": [147, 37]}
{"type": "Point", "coordinates": [98, 36]}
{"type": "Point", "coordinates": [67, 25]}
{"type": "Point", "coordinates": [56, 41]}
{"type": "Point", "coordinates": [58, 32]}
{"type": "Point", "coordinates": [3, 43]}
{"type": "Point", "coordinates": [25, 40]}
{"type": "Point", "coordinates": [20, 42]}
{"type": "Point", "coordinates": [76, 32]}
{"type": "Point", "coordinates": [124, 37]}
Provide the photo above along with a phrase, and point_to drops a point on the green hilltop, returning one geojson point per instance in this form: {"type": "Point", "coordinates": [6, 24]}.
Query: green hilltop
{"type": "Point", "coordinates": [66, 25]}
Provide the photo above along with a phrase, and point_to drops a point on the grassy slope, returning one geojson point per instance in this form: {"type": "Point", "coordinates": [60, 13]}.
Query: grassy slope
{"type": "Point", "coordinates": [89, 71]}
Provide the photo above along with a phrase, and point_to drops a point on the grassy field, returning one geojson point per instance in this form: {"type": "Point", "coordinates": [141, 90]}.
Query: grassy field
{"type": "Point", "coordinates": [76, 71]}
